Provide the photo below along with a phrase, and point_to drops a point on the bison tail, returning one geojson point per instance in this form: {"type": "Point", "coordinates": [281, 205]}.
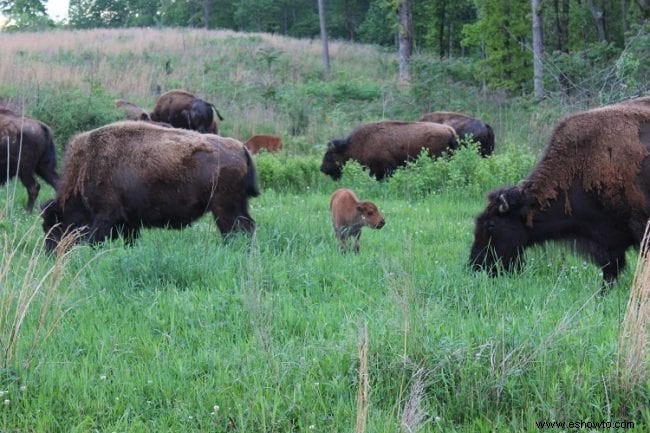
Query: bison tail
{"type": "Point", "coordinates": [488, 148]}
{"type": "Point", "coordinates": [216, 111]}
{"type": "Point", "coordinates": [49, 157]}
{"type": "Point", "coordinates": [252, 188]}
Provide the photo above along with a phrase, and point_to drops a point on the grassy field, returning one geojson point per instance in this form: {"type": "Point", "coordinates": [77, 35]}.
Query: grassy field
{"type": "Point", "coordinates": [185, 332]}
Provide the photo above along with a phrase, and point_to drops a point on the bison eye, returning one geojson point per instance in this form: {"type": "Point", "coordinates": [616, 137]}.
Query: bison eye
{"type": "Point", "coordinates": [371, 213]}
{"type": "Point", "coordinates": [489, 226]}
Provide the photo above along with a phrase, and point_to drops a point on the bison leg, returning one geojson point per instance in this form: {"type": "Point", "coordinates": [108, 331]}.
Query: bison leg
{"type": "Point", "coordinates": [611, 268]}
{"type": "Point", "coordinates": [32, 189]}
{"type": "Point", "coordinates": [100, 228]}
{"type": "Point", "coordinates": [357, 242]}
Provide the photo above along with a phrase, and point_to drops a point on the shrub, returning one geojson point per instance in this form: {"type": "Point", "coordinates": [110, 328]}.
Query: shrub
{"type": "Point", "coordinates": [70, 110]}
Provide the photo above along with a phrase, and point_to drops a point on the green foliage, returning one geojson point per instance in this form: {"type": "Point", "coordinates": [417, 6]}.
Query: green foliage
{"type": "Point", "coordinates": [502, 29]}
{"type": "Point", "coordinates": [283, 172]}
{"type": "Point", "coordinates": [25, 15]}
{"type": "Point", "coordinates": [336, 91]}
{"type": "Point", "coordinates": [69, 111]}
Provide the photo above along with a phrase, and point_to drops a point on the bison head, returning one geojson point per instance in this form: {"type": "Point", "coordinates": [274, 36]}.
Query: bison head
{"type": "Point", "coordinates": [51, 213]}
{"type": "Point", "coordinates": [500, 232]}
{"type": "Point", "coordinates": [370, 214]}
{"type": "Point", "coordinates": [334, 159]}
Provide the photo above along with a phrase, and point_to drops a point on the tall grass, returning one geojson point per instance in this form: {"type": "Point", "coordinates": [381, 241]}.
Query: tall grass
{"type": "Point", "coordinates": [633, 339]}
{"type": "Point", "coordinates": [32, 291]}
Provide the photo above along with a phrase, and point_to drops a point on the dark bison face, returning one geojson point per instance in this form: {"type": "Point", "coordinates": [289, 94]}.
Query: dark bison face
{"type": "Point", "coordinates": [500, 232]}
{"type": "Point", "coordinates": [51, 213]}
{"type": "Point", "coordinates": [201, 116]}
{"type": "Point", "coordinates": [333, 161]}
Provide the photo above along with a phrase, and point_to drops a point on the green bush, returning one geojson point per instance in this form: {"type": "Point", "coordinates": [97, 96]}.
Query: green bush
{"type": "Point", "coordinates": [70, 110]}
{"type": "Point", "coordinates": [279, 171]}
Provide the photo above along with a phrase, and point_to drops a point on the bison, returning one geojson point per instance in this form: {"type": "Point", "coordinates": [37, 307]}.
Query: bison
{"type": "Point", "coordinates": [26, 147]}
{"type": "Point", "coordinates": [270, 143]}
{"type": "Point", "coordinates": [133, 112]}
{"type": "Point", "coordinates": [591, 187]}
{"type": "Point", "coordinates": [128, 175]}
{"type": "Point", "coordinates": [465, 127]}
{"type": "Point", "coordinates": [184, 110]}
{"type": "Point", "coordinates": [349, 215]}
{"type": "Point", "coordinates": [384, 146]}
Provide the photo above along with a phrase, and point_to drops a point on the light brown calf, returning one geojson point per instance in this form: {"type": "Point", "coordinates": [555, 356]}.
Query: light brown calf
{"type": "Point", "coordinates": [349, 215]}
{"type": "Point", "coordinates": [272, 143]}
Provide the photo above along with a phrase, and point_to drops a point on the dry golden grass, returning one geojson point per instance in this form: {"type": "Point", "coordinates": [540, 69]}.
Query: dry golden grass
{"type": "Point", "coordinates": [633, 339]}
{"type": "Point", "coordinates": [363, 387]}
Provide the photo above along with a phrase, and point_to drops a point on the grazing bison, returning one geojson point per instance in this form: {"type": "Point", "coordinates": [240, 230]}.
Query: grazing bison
{"type": "Point", "coordinates": [133, 112]}
{"type": "Point", "coordinates": [26, 147]}
{"type": "Point", "coordinates": [129, 175]}
{"type": "Point", "coordinates": [465, 126]}
{"type": "Point", "coordinates": [384, 146]}
{"type": "Point", "coordinates": [349, 215]}
{"type": "Point", "coordinates": [270, 143]}
{"type": "Point", "coordinates": [184, 110]}
{"type": "Point", "coordinates": [591, 187]}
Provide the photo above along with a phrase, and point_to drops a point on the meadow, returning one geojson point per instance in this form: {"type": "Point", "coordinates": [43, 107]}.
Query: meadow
{"type": "Point", "coordinates": [187, 332]}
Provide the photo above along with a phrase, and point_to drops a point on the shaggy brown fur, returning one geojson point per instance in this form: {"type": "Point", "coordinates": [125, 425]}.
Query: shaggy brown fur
{"type": "Point", "coordinates": [270, 143]}
{"type": "Point", "coordinates": [384, 146]}
{"type": "Point", "coordinates": [591, 186]}
{"type": "Point", "coordinates": [182, 109]}
{"type": "Point", "coordinates": [349, 215]}
{"type": "Point", "coordinates": [131, 174]}
{"type": "Point", "coordinates": [465, 126]}
{"type": "Point", "coordinates": [30, 147]}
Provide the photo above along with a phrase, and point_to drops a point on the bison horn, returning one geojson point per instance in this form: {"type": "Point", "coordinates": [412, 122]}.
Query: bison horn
{"type": "Point", "coordinates": [504, 206]}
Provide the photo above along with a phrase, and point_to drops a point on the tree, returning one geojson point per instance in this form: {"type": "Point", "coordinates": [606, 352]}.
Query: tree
{"type": "Point", "coordinates": [323, 38]}
{"type": "Point", "coordinates": [25, 14]}
{"type": "Point", "coordinates": [405, 37]}
{"type": "Point", "coordinates": [538, 47]}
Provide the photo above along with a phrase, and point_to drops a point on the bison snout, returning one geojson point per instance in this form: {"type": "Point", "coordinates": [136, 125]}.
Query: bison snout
{"type": "Point", "coordinates": [381, 223]}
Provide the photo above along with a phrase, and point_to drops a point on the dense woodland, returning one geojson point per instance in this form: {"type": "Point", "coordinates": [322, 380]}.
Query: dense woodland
{"type": "Point", "coordinates": [590, 48]}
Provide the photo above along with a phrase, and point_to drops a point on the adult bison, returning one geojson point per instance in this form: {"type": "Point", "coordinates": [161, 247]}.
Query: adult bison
{"type": "Point", "coordinates": [465, 126]}
{"type": "Point", "coordinates": [182, 109]}
{"type": "Point", "coordinates": [384, 146]}
{"type": "Point", "coordinates": [129, 175]}
{"type": "Point", "coordinates": [592, 187]}
{"type": "Point", "coordinates": [26, 148]}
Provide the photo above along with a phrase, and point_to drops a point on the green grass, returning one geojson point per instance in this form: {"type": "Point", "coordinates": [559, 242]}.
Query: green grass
{"type": "Point", "coordinates": [162, 333]}
{"type": "Point", "coordinates": [185, 332]}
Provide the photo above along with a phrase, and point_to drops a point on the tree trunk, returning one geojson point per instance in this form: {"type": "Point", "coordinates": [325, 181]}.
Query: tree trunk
{"type": "Point", "coordinates": [538, 48]}
{"type": "Point", "coordinates": [626, 25]}
{"type": "Point", "coordinates": [323, 38]}
{"type": "Point", "coordinates": [206, 14]}
{"type": "Point", "coordinates": [599, 17]}
{"type": "Point", "coordinates": [441, 28]}
{"type": "Point", "coordinates": [405, 26]}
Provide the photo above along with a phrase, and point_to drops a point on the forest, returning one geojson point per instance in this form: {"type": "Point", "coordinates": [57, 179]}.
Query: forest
{"type": "Point", "coordinates": [589, 49]}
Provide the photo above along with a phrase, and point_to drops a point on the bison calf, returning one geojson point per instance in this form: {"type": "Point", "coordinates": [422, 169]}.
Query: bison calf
{"type": "Point", "coordinates": [26, 147]}
{"type": "Point", "coordinates": [270, 143]}
{"type": "Point", "coordinates": [129, 175]}
{"type": "Point", "coordinates": [349, 215]}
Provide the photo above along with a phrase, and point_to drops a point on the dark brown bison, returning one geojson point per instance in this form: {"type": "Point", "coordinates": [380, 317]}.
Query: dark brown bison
{"type": "Point", "coordinates": [465, 127]}
{"type": "Point", "coordinates": [384, 146]}
{"type": "Point", "coordinates": [26, 148]}
{"type": "Point", "coordinates": [350, 215]}
{"type": "Point", "coordinates": [270, 143]}
{"type": "Point", "coordinates": [129, 175]}
{"type": "Point", "coordinates": [591, 187]}
{"type": "Point", "coordinates": [182, 109]}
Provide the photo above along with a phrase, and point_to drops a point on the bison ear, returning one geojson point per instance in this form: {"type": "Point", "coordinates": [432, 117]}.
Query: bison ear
{"type": "Point", "coordinates": [509, 200]}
